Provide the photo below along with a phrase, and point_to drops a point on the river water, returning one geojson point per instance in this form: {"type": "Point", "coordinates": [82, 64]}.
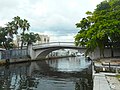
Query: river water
{"type": "Point", "coordinates": [72, 73]}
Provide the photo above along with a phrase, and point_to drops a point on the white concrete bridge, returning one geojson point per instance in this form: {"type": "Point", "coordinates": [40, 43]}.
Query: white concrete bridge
{"type": "Point", "coordinates": [42, 50]}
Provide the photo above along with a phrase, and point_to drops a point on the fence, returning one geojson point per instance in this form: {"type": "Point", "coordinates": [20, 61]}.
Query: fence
{"type": "Point", "coordinates": [14, 54]}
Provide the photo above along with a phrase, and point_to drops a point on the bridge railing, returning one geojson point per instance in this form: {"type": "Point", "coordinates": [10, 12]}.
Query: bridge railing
{"type": "Point", "coordinates": [55, 44]}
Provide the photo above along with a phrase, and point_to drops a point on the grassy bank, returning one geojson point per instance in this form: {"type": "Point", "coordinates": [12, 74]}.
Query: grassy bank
{"type": "Point", "coordinates": [118, 76]}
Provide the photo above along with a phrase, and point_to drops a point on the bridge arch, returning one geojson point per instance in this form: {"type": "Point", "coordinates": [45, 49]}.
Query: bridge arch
{"type": "Point", "coordinates": [42, 50]}
{"type": "Point", "coordinates": [44, 53]}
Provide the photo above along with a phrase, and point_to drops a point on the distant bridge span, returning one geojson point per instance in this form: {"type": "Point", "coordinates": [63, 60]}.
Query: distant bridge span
{"type": "Point", "coordinates": [42, 50]}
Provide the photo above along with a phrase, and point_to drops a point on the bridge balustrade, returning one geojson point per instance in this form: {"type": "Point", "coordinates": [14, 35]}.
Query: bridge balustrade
{"type": "Point", "coordinates": [54, 44]}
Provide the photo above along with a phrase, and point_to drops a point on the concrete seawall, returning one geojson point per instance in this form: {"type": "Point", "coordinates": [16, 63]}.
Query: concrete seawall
{"type": "Point", "coordinates": [11, 61]}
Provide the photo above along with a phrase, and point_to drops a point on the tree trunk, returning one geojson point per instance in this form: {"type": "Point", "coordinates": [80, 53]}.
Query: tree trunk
{"type": "Point", "coordinates": [4, 45]}
{"type": "Point", "coordinates": [27, 48]}
{"type": "Point", "coordinates": [112, 53]}
{"type": "Point", "coordinates": [22, 41]}
{"type": "Point", "coordinates": [101, 52]}
{"type": "Point", "coordinates": [21, 44]}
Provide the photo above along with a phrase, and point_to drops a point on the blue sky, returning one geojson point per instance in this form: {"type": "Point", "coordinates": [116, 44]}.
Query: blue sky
{"type": "Point", "coordinates": [56, 18]}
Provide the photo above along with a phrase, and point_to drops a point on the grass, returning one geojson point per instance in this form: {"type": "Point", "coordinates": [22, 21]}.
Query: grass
{"type": "Point", "coordinates": [118, 77]}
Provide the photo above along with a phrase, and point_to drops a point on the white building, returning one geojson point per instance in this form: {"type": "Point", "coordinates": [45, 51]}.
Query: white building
{"type": "Point", "coordinates": [43, 39]}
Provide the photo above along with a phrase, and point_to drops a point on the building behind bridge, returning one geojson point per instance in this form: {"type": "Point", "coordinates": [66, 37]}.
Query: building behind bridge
{"type": "Point", "coordinates": [17, 52]}
{"type": "Point", "coordinates": [43, 39]}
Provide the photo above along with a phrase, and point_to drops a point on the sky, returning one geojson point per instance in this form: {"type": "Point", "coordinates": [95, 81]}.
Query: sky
{"type": "Point", "coordinates": [56, 18]}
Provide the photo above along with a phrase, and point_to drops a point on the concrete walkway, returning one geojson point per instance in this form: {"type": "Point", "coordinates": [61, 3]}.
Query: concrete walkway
{"type": "Point", "coordinates": [106, 81]}
{"type": "Point", "coordinates": [100, 82]}
{"type": "Point", "coordinates": [113, 83]}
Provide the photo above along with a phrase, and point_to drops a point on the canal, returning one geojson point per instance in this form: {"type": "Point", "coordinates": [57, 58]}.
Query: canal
{"type": "Point", "coordinates": [74, 73]}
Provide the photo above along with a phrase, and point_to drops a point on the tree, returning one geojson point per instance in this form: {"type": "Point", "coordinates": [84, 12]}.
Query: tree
{"type": "Point", "coordinates": [22, 24]}
{"type": "Point", "coordinates": [100, 28]}
{"type": "Point", "coordinates": [5, 39]}
{"type": "Point", "coordinates": [29, 38]}
{"type": "Point", "coordinates": [7, 33]}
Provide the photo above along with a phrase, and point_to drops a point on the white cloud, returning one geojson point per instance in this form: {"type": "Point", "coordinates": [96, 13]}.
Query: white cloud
{"type": "Point", "coordinates": [53, 17]}
{"type": "Point", "coordinates": [67, 38]}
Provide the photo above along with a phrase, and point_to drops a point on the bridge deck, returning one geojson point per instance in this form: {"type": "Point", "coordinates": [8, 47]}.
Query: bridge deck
{"type": "Point", "coordinates": [67, 45]}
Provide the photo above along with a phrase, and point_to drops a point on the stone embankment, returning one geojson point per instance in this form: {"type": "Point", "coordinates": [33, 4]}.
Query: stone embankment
{"type": "Point", "coordinates": [11, 61]}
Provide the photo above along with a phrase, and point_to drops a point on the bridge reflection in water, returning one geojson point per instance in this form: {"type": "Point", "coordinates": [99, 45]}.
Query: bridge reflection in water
{"type": "Point", "coordinates": [61, 74]}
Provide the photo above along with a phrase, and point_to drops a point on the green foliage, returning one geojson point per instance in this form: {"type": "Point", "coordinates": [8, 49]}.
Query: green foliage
{"type": "Point", "coordinates": [7, 33]}
{"type": "Point", "coordinates": [100, 28]}
{"type": "Point", "coordinates": [5, 38]}
{"type": "Point", "coordinates": [118, 76]}
{"type": "Point", "coordinates": [29, 38]}
{"type": "Point", "coordinates": [22, 24]}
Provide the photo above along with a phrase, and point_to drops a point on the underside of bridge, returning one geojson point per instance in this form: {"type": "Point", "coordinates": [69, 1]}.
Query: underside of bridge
{"type": "Point", "coordinates": [44, 53]}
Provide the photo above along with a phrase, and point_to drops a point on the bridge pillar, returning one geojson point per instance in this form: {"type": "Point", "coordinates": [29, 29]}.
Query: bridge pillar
{"type": "Point", "coordinates": [31, 51]}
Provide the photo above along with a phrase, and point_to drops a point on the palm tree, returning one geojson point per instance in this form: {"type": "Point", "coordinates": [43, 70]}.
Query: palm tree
{"type": "Point", "coordinates": [3, 33]}
{"type": "Point", "coordinates": [22, 24]}
{"type": "Point", "coordinates": [5, 38]}
{"type": "Point", "coordinates": [16, 21]}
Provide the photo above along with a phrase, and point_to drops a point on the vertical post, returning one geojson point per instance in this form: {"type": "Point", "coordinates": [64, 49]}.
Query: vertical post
{"type": "Point", "coordinates": [116, 70]}
{"type": "Point", "coordinates": [109, 67]}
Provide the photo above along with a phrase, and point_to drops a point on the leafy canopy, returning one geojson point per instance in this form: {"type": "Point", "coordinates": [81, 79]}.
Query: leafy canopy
{"type": "Point", "coordinates": [12, 28]}
{"type": "Point", "coordinates": [100, 28]}
{"type": "Point", "coordinates": [29, 38]}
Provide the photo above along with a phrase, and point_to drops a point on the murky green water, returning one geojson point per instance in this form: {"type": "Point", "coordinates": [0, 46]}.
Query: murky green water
{"type": "Point", "coordinates": [60, 74]}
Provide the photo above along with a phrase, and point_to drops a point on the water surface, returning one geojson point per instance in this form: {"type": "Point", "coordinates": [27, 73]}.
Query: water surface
{"type": "Point", "coordinates": [57, 74]}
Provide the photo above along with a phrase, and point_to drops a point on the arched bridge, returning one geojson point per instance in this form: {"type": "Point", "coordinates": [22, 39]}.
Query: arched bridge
{"type": "Point", "coordinates": [42, 50]}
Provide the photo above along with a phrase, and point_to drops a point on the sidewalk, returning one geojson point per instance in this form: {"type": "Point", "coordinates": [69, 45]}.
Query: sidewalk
{"type": "Point", "coordinates": [113, 82]}
{"type": "Point", "coordinates": [104, 82]}
{"type": "Point", "coordinates": [100, 82]}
